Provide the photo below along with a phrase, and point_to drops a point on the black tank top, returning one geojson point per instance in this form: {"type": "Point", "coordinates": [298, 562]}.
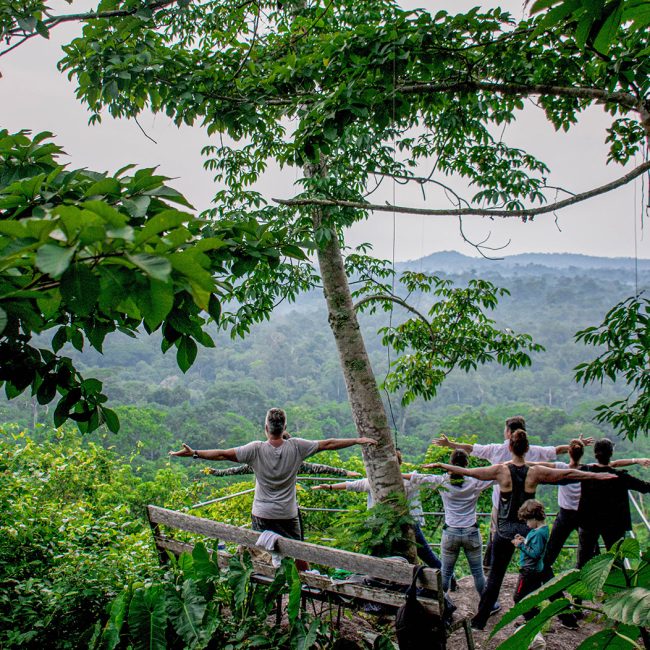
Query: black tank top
{"type": "Point", "coordinates": [510, 502]}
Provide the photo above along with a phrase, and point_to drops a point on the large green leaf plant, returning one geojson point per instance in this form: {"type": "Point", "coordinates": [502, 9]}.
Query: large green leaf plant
{"type": "Point", "coordinates": [197, 605]}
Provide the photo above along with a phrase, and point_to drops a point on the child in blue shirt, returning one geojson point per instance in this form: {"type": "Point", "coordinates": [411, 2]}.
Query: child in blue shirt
{"type": "Point", "coordinates": [532, 549]}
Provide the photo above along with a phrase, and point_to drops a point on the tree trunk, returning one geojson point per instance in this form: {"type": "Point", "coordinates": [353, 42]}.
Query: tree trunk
{"type": "Point", "coordinates": [367, 408]}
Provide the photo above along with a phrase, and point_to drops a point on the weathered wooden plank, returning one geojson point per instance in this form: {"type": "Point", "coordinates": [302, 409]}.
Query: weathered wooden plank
{"type": "Point", "coordinates": [324, 583]}
{"type": "Point", "coordinates": [393, 570]}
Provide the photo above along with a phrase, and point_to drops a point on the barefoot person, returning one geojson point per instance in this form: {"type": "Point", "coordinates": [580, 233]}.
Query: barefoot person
{"type": "Point", "coordinates": [275, 462]}
{"type": "Point", "coordinates": [518, 483]}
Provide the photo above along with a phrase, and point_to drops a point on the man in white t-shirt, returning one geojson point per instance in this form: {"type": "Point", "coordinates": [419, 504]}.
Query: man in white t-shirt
{"type": "Point", "coordinates": [500, 453]}
{"type": "Point", "coordinates": [275, 462]}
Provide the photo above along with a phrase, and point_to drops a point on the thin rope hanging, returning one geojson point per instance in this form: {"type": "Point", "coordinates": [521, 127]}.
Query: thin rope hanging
{"type": "Point", "coordinates": [390, 317]}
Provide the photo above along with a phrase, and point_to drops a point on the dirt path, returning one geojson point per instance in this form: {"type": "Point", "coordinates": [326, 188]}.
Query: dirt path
{"type": "Point", "coordinates": [557, 637]}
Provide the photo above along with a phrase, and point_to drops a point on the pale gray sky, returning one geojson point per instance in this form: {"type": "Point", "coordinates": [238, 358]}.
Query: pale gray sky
{"type": "Point", "coordinates": [35, 96]}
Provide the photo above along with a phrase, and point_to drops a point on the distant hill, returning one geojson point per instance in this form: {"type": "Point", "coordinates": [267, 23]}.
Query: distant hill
{"type": "Point", "coordinates": [452, 262]}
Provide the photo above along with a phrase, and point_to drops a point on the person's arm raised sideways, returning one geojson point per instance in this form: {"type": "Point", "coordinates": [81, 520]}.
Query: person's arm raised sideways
{"type": "Point", "coordinates": [443, 441]}
{"type": "Point", "coordinates": [205, 454]}
{"type": "Point", "coordinates": [331, 444]}
{"type": "Point", "coordinates": [546, 475]}
{"type": "Point", "coordinates": [490, 473]}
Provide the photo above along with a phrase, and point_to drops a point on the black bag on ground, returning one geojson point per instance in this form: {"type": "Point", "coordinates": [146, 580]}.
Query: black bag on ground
{"type": "Point", "coordinates": [415, 626]}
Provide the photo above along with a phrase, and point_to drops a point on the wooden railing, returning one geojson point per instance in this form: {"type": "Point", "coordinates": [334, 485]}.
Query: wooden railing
{"type": "Point", "coordinates": [394, 571]}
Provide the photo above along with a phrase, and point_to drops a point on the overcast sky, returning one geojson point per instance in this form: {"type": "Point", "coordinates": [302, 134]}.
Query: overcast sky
{"type": "Point", "coordinates": [35, 96]}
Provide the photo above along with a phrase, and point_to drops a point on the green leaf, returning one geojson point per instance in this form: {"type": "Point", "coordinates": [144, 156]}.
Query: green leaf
{"type": "Point", "coordinates": [3, 320]}
{"type": "Point", "coordinates": [113, 627]}
{"type": "Point", "coordinates": [186, 353]}
{"type": "Point", "coordinates": [110, 419]}
{"type": "Point", "coordinates": [594, 573]}
{"type": "Point", "coordinates": [148, 618]}
{"type": "Point", "coordinates": [616, 638]}
{"type": "Point", "coordinates": [628, 548]}
{"type": "Point", "coordinates": [186, 612]}
{"type": "Point", "coordinates": [214, 308]}
{"type": "Point", "coordinates": [80, 289]}
{"type": "Point", "coordinates": [204, 565]}
{"type": "Point", "coordinates": [59, 339]}
{"type": "Point", "coordinates": [53, 260]}
{"type": "Point", "coordinates": [153, 265]}
{"type": "Point", "coordinates": [608, 32]}
{"type": "Point", "coordinates": [157, 303]}
{"type": "Point", "coordinates": [165, 220]}
{"type": "Point", "coordinates": [309, 639]}
{"type": "Point", "coordinates": [106, 186]}
{"type": "Point", "coordinates": [523, 636]}
{"type": "Point", "coordinates": [295, 591]}
{"type": "Point", "coordinates": [630, 606]}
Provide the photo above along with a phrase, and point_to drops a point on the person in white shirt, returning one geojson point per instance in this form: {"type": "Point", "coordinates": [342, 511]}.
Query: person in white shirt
{"type": "Point", "coordinates": [412, 483]}
{"type": "Point", "coordinates": [500, 453]}
{"type": "Point", "coordinates": [459, 497]}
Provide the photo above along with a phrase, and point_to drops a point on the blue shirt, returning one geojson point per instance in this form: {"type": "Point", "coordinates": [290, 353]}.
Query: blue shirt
{"type": "Point", "coordinates": [532, 551]}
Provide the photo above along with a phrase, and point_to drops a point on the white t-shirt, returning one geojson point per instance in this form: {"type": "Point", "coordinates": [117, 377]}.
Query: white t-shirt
{"type": "Point", "coordinates": [275, 470]}
{"type": "Point", "coordinates": [459, 500]}
{"type": "Point", "coordinates": [500, 453]}
{"type": "Point", "coordinates": [568, 496]}
{"type": "Point", "coordinates": [412, 488]}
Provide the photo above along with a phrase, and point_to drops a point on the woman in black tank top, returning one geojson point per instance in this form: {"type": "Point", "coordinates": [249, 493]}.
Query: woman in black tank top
{"type": "Point", "coordinates": [518, 483]}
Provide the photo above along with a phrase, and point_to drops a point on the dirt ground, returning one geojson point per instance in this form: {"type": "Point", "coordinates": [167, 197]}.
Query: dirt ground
{"type": "Point", "coordinates": [557, 637]}
{"type": "Point", "coordinates": [358, 626]}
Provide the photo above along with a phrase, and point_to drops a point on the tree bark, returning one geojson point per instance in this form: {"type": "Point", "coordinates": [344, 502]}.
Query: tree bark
{"type": "Point", "coordinates": [368, 410]}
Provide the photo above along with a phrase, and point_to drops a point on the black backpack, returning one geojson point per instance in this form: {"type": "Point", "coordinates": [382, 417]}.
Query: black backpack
{"type": "Point", "coordinates": [415, 626]}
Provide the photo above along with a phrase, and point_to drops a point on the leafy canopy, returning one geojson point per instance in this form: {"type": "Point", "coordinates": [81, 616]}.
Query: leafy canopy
{"type": "Point", "coordinates": [84, 254]}
{"type": "Point", "coordinates": [625, 337]}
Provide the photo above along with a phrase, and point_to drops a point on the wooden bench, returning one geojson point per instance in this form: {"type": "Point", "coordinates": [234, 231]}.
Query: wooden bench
{"type": "Point", "coordinates": [344, 593]}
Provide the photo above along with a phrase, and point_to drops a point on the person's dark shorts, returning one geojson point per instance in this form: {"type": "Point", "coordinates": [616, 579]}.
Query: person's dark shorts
{"type": "Point", "coordinates": [289, 528]}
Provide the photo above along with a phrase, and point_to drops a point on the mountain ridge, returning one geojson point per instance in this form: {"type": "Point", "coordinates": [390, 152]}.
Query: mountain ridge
{"type": "Point", "coordinates": [456, 262]}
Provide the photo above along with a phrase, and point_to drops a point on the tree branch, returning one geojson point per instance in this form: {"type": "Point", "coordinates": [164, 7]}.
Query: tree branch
{"type": "Point", "coordinates": [54, 21]}
{"type": "Point", "coordinates": [399, 301]}
{"type": "Point", "coordinates": [525, 213]}
{"type": "Point", "coordinates": [624, 99]}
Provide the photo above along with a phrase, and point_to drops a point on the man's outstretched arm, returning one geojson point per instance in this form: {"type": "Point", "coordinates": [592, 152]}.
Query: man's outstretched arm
{"type": "Point", "coordinates": [206, 454]}
{"type": "Point", "coordinates": [332, 444]}
{"type": "Point", "coordinates": [240, 470]}
{"type": "Point", "coordinates": [490, 473]}
{"type": "Point", "coordinates": [626, 462]}
{"type": "Point", "coordinates": [316, 468]}
{"type": "Point", "coordinates": [443, 441]}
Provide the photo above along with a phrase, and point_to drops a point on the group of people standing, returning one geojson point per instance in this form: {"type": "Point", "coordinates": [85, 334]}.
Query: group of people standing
{"type": "Point", "coordinates": [593, 499]}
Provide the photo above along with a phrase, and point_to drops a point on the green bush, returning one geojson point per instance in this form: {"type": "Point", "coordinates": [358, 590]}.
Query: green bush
{"type": "Point", "coordinates": [72, 535]}
{"type": "Point", "coordinates": [197, 605]}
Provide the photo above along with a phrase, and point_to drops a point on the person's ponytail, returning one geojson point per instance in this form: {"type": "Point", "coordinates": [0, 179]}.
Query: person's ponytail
{"type": "Point", "coordinates": [460, 459]}
{"type": "Point", "coordinates": [519, 444]}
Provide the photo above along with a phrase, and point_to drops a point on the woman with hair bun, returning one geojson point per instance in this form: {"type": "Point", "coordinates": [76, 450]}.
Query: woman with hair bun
{"type": "Point", "coordinates": [568, 499]}
{"type": "Point", "coordinates": [518, 482]}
